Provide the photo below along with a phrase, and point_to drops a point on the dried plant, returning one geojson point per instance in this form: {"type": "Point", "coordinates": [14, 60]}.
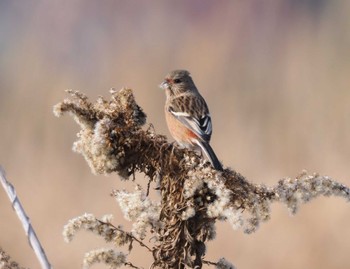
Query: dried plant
{"type": "Point", "coordinates": [6, 262]}
{"type": "Point", "coordinates": [193, 195]}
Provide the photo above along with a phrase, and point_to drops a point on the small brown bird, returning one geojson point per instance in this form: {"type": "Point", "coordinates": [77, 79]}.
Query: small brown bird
{"type": "Point", "coordinates": [187, 114]}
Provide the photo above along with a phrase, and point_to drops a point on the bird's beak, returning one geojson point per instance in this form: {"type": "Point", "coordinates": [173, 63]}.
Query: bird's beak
{"type": "Point", "coordinates": [164, 85]}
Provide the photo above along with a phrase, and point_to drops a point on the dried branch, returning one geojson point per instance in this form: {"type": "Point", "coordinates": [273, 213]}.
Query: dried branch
{"type": "Point", "coordinates": [130, 236]}
{"type": "Point", "coordinates": [193, 195]}
{"type": "Point", "coordinates": [221, 264]}
{"type": "Point", "coordinates": [32, 238]}
{"type": "Point", "coordinates": [131, 265]}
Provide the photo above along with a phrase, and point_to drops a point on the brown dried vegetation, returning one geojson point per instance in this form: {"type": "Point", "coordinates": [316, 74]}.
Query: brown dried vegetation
{"type": "Point", "coordinates": [193, 194]}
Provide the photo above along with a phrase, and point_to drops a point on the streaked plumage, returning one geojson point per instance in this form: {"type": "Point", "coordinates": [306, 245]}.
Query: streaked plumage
{"type": "Point", "coordinates": [187, 114]}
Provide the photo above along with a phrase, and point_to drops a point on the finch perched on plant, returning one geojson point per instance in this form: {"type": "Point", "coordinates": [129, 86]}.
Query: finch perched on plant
{"type": "Point", "coordinates": [187, 114]}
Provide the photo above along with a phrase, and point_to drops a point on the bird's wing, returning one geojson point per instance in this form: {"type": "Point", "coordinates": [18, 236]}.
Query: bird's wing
{"type": "Point", "coordinates": [193, 112]}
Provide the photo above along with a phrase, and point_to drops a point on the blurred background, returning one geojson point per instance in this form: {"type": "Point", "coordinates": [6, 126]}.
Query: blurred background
{"type": "Point", "coordinates": [275, 74]}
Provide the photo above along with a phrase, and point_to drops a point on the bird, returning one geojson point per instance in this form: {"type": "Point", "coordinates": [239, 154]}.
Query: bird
{"type": "Point", "coordinates": [187, 115]}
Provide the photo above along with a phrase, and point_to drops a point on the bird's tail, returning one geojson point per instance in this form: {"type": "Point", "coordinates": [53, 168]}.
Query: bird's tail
{"type": "Point", "coordinates": [210, 154]}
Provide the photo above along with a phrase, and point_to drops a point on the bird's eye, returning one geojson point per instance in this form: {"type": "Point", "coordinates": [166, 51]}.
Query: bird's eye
{"type": "Point", "coordinates": [177, 80]}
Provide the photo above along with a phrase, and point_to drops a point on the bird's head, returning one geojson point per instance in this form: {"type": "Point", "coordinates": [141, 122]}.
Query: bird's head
{"type": "Point", "coordinates": [177, 82]}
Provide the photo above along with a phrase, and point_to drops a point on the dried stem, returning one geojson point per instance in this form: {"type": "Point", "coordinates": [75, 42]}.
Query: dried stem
{"type": "Point", "coordinates": [130, 235]}
{"type": "Point", "coordinates": [33, 239]}
{"type": "Point", "coordinates": [131, 265]}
